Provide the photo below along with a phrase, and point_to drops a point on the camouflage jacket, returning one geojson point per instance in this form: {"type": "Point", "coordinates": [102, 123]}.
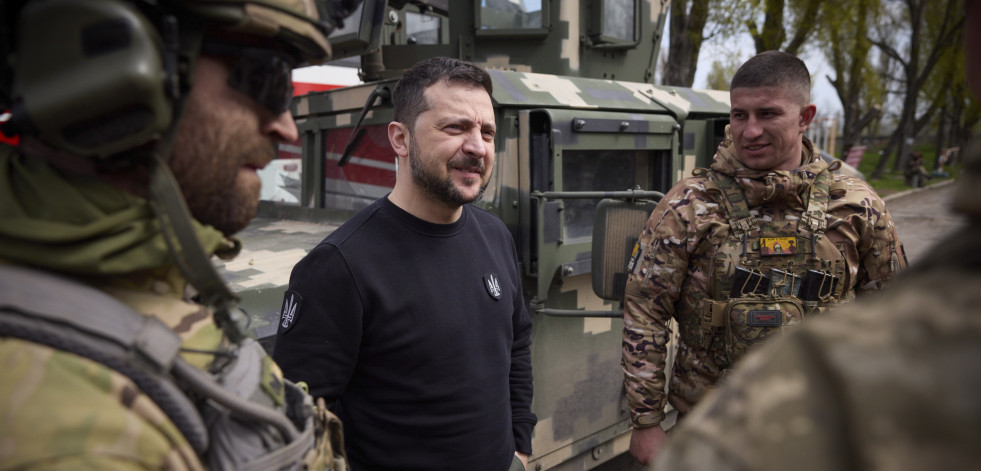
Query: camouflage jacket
{"type": "Point", "coordinates": [63, 411]}
{"type": "Point", "coordinates": [887, 383]}
{"type": "Point", "coordinates": [674, 277]}
{"type": "Point", "coordinates": [59, 410]}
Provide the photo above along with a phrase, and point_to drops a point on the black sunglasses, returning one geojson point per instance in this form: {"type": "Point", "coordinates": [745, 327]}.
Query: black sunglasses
{"type": "Point", "coordinates": [265, 75]}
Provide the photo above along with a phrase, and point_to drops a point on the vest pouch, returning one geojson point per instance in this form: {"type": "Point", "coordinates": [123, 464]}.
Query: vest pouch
{"type": "Point", "coordinates": [240, 437]}
{"type": "Point", "coordinates": [751, 320]}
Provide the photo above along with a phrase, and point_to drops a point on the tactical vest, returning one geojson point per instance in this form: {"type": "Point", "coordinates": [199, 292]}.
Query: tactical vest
{"type": "Point", "coordinates": [236, 416]}
{"type": "Point", "coordinates": [766, 276]}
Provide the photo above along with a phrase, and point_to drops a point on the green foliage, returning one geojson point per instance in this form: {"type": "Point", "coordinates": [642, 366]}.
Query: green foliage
{"type": "Point", "coordinates": [686, 30]}
{"type": "Point", "coordinates": [844, 42]}
{"type": "Point", "coordinates": [949, 72]}
{"type": "Point", "coordinates": [894, 182]}
{"type": "Point", "coordinates": [916, 34]}
{"type": "Point", "coordinates": [722, 71]}
{"type": "Point", "coordinates": [873, 88]}
{"type": "Point", "coordinates": [727, 18]}
{"type": "Point", "coordinates": [784, 25]}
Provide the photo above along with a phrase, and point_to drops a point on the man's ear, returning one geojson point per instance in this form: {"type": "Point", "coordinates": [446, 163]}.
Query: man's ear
{"type": "Point", "coordinates": [807, 115]}
{"type": "Point", "coordinates": [399, 138]}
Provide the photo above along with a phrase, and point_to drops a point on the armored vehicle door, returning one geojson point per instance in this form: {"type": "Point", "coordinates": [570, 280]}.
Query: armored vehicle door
{"type": "Point", "coordinates": [572, 158]}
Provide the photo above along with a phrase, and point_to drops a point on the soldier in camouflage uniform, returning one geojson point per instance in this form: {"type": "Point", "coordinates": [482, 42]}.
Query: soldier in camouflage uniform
{"type": "Point", "coordinates": [890, 382]}
{"type": "Point", "coordinates": [108, 362]}
{"type": "Point", "coordinates": [750, 247]}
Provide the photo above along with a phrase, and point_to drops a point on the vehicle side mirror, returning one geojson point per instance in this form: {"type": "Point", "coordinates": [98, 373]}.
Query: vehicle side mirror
{"type": "Point", "coordinates": [616, 227]}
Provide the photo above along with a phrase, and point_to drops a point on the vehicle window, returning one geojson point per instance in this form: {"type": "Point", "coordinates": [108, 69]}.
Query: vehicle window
{"type": "Point", "coordinates": [618, 19]}
{"type": "Point", "coordinates": [600, 170]}
{"type": "Point", "coordinates": [505, 14]}
{"type": "Point", "coordinates": [421, 28]}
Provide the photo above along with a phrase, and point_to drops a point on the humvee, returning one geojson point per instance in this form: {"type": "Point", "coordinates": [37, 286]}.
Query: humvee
{"type": "Point", "coordinates": [579, 121]}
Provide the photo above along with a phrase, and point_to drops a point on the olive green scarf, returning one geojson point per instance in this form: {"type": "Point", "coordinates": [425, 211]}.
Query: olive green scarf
{"type": "Point", "coordinates": [77, 224]}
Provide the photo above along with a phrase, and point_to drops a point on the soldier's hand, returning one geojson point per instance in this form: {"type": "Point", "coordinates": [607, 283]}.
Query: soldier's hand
{"type": "Point", "coordinates": [523, 457]}
{"type": "Point", "coordinates": [646, 442]}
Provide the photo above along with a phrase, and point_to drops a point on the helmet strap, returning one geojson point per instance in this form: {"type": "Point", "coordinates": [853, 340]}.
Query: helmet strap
{"type": "Point", "coordinates": [188, 254]}
{"type": "Point", "coordinates": [175, 218]}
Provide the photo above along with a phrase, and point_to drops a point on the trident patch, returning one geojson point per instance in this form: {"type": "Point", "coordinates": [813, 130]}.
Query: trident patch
{"type": "Point", "coordinates": [287, 316]}
{"type": "Point", "coordinates": [493, 285]}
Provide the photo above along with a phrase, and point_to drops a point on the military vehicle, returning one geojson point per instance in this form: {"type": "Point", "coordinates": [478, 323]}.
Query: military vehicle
{"type": "Point", "coordinates": [578, 118]}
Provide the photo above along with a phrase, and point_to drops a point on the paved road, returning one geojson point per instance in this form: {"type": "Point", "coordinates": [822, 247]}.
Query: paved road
{"type": "Point", "coordinates": [923, 217]}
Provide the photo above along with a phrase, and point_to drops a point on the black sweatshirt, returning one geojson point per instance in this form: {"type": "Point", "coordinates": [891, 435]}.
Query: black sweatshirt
{"type": "Point", "coordinates": [417, 336]}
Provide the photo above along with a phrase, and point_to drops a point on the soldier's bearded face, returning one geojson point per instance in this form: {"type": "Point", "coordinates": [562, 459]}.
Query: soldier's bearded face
{"type": "Point", "coordinates": [767, 124]}
{"type": "Point", "coordinates": [223, 139]}
{"type": "Point", "coordinates": [451, 148]}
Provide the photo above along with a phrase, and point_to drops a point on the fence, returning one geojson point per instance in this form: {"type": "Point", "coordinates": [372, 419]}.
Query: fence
{"type": "Point", "coordinates": [823, 132]}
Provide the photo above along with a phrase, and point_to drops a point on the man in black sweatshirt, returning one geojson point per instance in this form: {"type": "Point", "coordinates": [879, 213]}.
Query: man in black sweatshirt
{"type": "Point", "coordinates": [409, 319]}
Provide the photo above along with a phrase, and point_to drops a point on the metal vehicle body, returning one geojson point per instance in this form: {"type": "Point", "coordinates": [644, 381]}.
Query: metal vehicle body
{"type": "Point", "coordinates": [578, 118]}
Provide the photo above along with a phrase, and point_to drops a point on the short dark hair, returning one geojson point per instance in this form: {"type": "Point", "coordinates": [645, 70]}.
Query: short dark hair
{"type": "Point", "coordinates": [408, 97]}
{"type": "Point", "coordinates": [774, 69]}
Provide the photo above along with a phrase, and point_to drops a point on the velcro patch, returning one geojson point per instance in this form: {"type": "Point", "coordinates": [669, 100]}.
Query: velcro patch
{"type": "Point", "coordinates": [778, 245]}
{"type": "Point", "coordinates": [764, 318]}
{"type": "Point", "coordinates": [289, 313]}
{"type": "Point", "coordinates": [635, 255]}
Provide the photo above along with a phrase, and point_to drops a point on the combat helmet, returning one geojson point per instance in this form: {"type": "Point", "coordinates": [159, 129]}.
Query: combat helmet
{"type": "Point", "coordinates": [108, 80]}
{"type": "Point", "coordinates": [102, 78]}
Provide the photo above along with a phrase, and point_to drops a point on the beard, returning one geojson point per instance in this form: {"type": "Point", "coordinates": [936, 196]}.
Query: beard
{"type": "Point", "coordinates": [429, 178]}
{"type": "Point", "coordinates": [208, 162]}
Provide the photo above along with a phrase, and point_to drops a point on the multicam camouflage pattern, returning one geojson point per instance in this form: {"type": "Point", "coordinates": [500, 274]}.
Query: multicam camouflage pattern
{"type": "Point", "coordinates": [742, 332]}
{"type": "Point", "coordinates": [62, 411]}
{"type": "Point", "coordinates": [889, 382]}
{"type": "Point", "coordinates": [754, 244]}
{"type": "Point", "coordinates": [119, 427]}
{"type": "Point", "coordinates": [65, 410]}
{"type": "Point", "coordinates": [692, 244]}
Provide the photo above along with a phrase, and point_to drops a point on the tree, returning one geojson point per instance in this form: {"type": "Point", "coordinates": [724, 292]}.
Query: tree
{"type": "Point", "coordinates": [969, 111]}
{"type": "Point", "coordinates": [804, 15]}
{"type": "Point", "coordinates": [722, 71]}
{"type": "Point", "coordinates": [946, 90]}
{"type": "Point", "coordinates": [688, 20]}
{"type": "Point", "coordinates": [724, 19]}
{"type": "Point", "coordinates": [844, 41]}
{"type": "Point", "coordinates": [687, 32]}
{"type": "Point", "coordinates": [932, 28]}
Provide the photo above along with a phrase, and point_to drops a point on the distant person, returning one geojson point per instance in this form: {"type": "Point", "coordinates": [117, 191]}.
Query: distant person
{"type": "Point", "coordinates": [916, 173]}
{"type": "Point", "coordinates": [142, 125]}
{"type": "Point", "coordinates": [703, 257]}
{"type": "Point", "coordinates": [410, 318]}
{"type": "Point", "coordinates": [889, 383]}
{"type": "Point", "coordinates": [945, 158]}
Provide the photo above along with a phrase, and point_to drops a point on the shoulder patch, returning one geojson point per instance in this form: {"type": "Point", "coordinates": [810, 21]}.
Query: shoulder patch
{"type": "Point", "coordinates": [287, 316]}
{"type": "Point", "coordinates": [493, 285]}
